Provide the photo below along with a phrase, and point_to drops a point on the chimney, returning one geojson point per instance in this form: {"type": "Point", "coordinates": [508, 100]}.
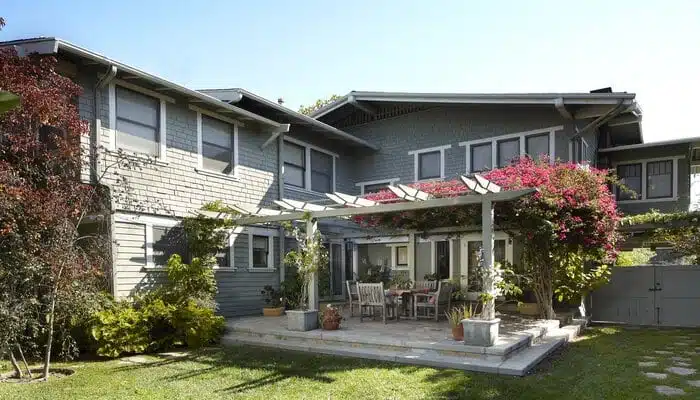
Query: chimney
{"type": "Point", "coordinates": [280, 101]}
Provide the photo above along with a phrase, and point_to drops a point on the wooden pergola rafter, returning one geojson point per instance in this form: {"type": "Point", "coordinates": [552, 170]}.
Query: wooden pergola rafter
{"type": "Point", "coordinates": [409, 199]}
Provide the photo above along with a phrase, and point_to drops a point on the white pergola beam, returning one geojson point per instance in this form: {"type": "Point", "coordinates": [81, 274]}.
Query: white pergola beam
{"type": "Point", "coordinates": [487, 184]}
{"type": "Point", "coordinates": [255, 211]}
{"type": "Point", "coordinates": [418, 194]}
{"type": "Point", "coordinates": [401, 193]}
{"type": "Point", "coordinates": [350, 200]}
{"type": "Point", "coordinates": [297, 205]}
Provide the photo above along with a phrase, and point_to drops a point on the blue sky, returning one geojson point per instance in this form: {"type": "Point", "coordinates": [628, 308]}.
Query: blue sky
{"type": "Point", "coordinates": [303, 50]}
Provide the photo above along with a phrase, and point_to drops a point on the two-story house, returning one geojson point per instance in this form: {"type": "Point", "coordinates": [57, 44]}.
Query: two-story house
{"type": "Point", "coordinates": [235, 146]}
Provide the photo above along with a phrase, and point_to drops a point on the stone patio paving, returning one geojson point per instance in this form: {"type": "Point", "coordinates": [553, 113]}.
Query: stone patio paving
{"type": "Point", "coordinates": [678, 361]}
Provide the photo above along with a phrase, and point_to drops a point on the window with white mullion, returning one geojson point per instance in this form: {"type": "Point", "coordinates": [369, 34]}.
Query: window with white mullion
{"type": "Point", "coordinates": [659, 179]}
{"type": "Point", "coordinates": [295, 165]}
{"type": "Point", "coordinates": [481, 157]}
{"type": "Point", "coordinates": [321, 171]}
{"type": "Point", "coordinates": [137, 122]}
{"type": "Point", "coordinates": [217, 146]}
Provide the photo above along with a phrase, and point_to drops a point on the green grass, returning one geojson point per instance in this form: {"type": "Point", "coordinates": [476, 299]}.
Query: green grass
{"type": "Point", "coordinates": [602, 365]}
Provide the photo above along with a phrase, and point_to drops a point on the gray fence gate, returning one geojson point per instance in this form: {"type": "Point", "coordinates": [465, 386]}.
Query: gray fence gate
{"type": "Point", "coordinates": [662, 295]}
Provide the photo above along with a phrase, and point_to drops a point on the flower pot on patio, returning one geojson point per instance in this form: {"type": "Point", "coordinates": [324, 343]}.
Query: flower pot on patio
{"type": "Point", "coordinates": [480, 332]}
{"type": "Point", "coordinates": [458, 332]}
{"type": "Point", "coordinates": [331, 326]}
{"type": "Point", "coordinates": [273, 311]}
{"type": "Point", "coordinates": [298, 320]}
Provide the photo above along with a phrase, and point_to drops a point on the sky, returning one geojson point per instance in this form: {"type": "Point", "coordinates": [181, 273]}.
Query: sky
{"type": "Point", "coordinates": [304, 50]}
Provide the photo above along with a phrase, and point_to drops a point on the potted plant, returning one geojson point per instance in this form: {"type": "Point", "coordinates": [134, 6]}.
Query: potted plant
{"type": "Point", "coordinates": [309, 257]}
{"type": "Point", "coordinates": [273, 301]}
{"type": "Point", "coordinates": [455, 317]}
{"type": "Point", "coordinates": [330, 319]}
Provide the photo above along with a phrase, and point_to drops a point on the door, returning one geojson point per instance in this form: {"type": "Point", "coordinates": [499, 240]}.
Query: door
{"type": "Point", "coordinates": [332, 279]}
{"type": "Point", "coordinates": [678, 295]}
{"type": "Point", "coordinates": [442, 259]}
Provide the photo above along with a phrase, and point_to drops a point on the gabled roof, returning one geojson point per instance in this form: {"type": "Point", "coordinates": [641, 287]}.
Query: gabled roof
{"type": "Point", "coordinates": [277, 112]}
{"type": "Point", "coordinates": [50, 45]}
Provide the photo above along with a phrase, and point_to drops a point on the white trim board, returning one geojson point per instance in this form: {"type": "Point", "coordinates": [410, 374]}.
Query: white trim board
{"type": "Point", "coordinates": [522, 136]}
{"type": "Point", "coordinates": [417, 153]}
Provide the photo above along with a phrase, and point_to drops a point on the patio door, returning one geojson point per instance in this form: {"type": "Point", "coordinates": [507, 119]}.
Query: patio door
{"type": "Point", "coordinates": [442, 259]}
{"type": "Point", "coordinates": [334, 278]}
{"type": "Point", "coordinates": [471, 260]}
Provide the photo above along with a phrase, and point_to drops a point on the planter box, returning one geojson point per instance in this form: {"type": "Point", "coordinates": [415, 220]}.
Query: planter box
{"type": "Point", "coordinates": [480, 332]}
{"type": "Point", "coordinates": [302, 320]}
{"type": "Point", "coordinates": [273, 311]}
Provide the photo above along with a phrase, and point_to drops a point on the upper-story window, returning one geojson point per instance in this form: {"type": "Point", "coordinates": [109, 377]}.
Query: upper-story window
{"type": "Point", "coordinates": [429, 163]}
{"type": "Point", "coordinates": [500, 151]}
{"type": "Point", "coordinates": [578, 150]}
{"type": "Point", "coordinates": [376, 185]}
{"type": "Point", "coordinates": [308, 167]}
{"type": "Point", "coordinates": [137, 122]}
{"type": "Point", "coordinates": [218, 145]}
{"type": "Point", "coordinates": [649, 180]}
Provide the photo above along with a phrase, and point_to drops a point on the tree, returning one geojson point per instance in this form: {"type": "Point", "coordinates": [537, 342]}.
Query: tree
{"type": "Point", "coordinates": [573, 212]}
{"type": "Point", "coordinates": [320, 103]}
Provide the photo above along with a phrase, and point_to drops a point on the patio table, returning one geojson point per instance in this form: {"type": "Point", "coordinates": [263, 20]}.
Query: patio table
{"type": "Point", "coordinates": [406, 296]}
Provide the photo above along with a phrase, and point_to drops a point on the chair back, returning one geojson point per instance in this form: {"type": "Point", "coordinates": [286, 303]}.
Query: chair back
{"type": "Point", "coordinates": [351, 287]}
{"type": "Point", "coordinates": [421, 285]}
{"type": "Point", "coordinates": [444, 292]}
{"type": "Point", "coordinates": [371, 293]}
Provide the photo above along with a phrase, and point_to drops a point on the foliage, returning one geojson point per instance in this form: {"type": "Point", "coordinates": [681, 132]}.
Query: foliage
{"type": "Point", "coordinates": [431, 277]}
{"type": "Point", "coordinates": [572, 211]}
{"type": "Point", "coordinates": [457, 314]}
{"type": "Point", "coordinates": [320, 103]}
{"type": "Point", "coordinates": [331, 315]}
{"type": "Point", "coordinates": [194, 281]}
{"type": "Point", "coordinates": [376, 274]}
{"type": "Point", "coordinates": [575, 277]}
{"type": "Point", "coordinates": [272, 296]}
{"type": "Point", "coordinates": [309, 257]}
{"type": "Point", "coordinates": [207, 236]}
{"type": "Point", "coordinates": [121, 329]}
{"type": "Point", "coordinates": [290, 290]}
{"type": "Point", "coordinates": [679, 229]}
{"type": "Point", "coordinates": [400, 281]}
{"type": "Point", "coordinates": [197, 326]}
{"type": "Point", "coordinates": [634, 257]}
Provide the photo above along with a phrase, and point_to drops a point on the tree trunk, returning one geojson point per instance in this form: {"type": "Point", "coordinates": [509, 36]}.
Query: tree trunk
{"type": "Point", "coordinates": [49, 340]}
{"type": "Point", "coordinates": [582, 307]}
{"type": "Point", "coordinates": [24, 360]}
{"type": "Point", "coordinates": [15, 366]}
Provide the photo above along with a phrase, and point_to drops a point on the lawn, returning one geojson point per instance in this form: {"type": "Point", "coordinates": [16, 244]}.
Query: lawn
{"type": "Point", "coordinates": [603, 364]}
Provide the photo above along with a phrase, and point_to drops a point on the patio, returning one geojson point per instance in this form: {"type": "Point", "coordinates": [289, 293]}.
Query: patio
{"type": "Point", "coordinates": [522, 342]}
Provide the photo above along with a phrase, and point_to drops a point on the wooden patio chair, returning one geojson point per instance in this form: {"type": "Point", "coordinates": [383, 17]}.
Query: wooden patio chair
{"type": "Point", "coordinates": [353, 299]}
{"type": "Point", "coordinates": [438, 301]}
{"type": "Point", "coordinates": [371, 295]}
{"type": "Point", "coordinates": [429, 285]}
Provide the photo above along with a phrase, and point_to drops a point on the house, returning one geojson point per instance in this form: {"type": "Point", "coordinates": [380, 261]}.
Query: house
{"type": "Point", "coordinates": [235, 146]}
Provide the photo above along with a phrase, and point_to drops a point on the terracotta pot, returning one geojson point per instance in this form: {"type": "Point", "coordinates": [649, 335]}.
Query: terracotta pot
{"type": "Point", "coordinates": [331, 326]}
{"type": "Point", "coordinates": [458, 332]}
{"type": "Point", "coordinates": [273, 312]}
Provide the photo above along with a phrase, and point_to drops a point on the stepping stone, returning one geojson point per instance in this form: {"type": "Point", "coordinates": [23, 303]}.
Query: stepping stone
{"type": "Point", "coordinates": [682, 337]}
{"type": "Point", "coordinates": [682, 364]}
{"type": "Point", "coordinates": [681, 344]}
{"type": "Point", "coordinates": [681, 371]}
{"type": "Point", "coordinates": [655, 375]}
{"type": "Point", "coordinates": [669, 390]}
{"type": "Point", "coordinates": [651, 357]}
{"type": "Point", "coordinates": [647, 363]}
{"type": "Point", "coordinates": [694, 383]}
{"type": "Point", "coordinates": [691, 353]}
{"type": "Point", "coordinates": [684, 359]}
{"type": "Point", "coordinates": [663, 352]}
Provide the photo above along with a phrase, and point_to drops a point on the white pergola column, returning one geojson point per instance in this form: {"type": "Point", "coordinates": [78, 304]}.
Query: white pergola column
{"type": "Point", "coordinates": [311, 230]}
{"type": "Point", "coordinates": [412, 257]}
{"type": "Point", "coordinates": [488, 266]}
{"type": "Point", "coordinates": [355, 262]}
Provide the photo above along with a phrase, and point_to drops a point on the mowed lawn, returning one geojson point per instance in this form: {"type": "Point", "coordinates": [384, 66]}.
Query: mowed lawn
{"type": "Point", "coordinates": [603, 364]}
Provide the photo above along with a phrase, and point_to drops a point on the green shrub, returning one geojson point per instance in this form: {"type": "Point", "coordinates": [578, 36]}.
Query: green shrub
{"type": "Point", "coordinates": [121, 329]}
{"type": "Point", "coordinates": [197, 326]}
{"type": "Point", "coordinates": [639, 256]}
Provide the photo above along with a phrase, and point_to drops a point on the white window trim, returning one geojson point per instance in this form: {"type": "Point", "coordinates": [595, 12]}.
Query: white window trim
{"type": "Point", "coordinates": [307, 170]}
{"type": "Point", "coordinates": [642, 197]}
{"type": "Point", "coordinates": [521, 135]}
{"type": "Point", "coordinates": [235, 124]}
{"type": "Point", "coordinates": [394, 260]}
{"type": "Point", "coordinates": [362, 185]}
{"type": "Point", "coordinates": [417, 153]}
{"type": "Point", "coordinates": [162, 129]}
{"type": "Point", "coordinates": [571, 148]}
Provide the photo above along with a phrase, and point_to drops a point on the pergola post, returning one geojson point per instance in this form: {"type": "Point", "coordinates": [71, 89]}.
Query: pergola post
{"type": "Point", "coordinates": [489, 272]}
{"type": "Point", "coordinates": [412, 257]}
{"type": "Point", "coordinates": [311, 231]}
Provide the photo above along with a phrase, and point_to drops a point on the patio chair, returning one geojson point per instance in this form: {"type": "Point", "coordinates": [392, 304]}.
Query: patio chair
{"type": "Point", "coordinates": [371, 295]}
{"type": "Point", "coordinates": [438, 302]}
{"type": "Point", "coordinates": [353, 299]}
{"type": "Point", "coordinates": [421, 285]}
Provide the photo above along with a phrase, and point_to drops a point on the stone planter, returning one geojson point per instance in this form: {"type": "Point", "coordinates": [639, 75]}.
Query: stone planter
{"type": "Point", "coordinates": [480, 332]}
{"type": "Point", "coordinates": [273, 311]}
{"type": "Point", "coordinates": [298, 320]}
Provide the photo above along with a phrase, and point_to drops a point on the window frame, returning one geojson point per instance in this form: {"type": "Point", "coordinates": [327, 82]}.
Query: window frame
{"type": "Point", "coordinates": [673, 177]}
{"type": "Point", "coordinates": [584, 148]}
{"type": "Point", "coordinates": [498, 151]}
{"type": "Point", "coordinates": [440, 165]}
{"type": "Point", "coordinates": [162, 117]}
{"type": "Point", "coordinates": [522, 137]}
{"type": "Point", "coordinates": [252, 233]}
{"type": "Point", "coordinates": [642, 197]}
{"type": "Point", "coordinates": [641, 180]}
{"type": "Point", "coordinates": [307, 162]}
{"type": "Point", "coordinates": [363, 185]}
{"type": "Point", "coordinates": [319, 172]}
{"type": "Point", "coordinates": [200, 114]}
{"type": "Point", "coordinates": [416, 164]}
{"type": "Point", "coordinates": [471, 156]}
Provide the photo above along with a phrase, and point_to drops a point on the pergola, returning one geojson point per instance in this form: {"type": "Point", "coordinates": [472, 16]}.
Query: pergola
{"type": "Point", "coordinates": [486, 193]}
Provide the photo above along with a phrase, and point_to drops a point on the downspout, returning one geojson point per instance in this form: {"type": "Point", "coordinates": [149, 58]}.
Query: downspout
{"type": "Point", "coordinates": [604, 118]}
{"type": "Point", "coordinates": [280, 188]}
{"type": "Point", "coordinates": [95, 164]}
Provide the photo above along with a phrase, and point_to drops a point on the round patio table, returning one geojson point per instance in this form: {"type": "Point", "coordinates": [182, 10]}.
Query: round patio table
{"type": "Point", "coordinates": [406, 296]}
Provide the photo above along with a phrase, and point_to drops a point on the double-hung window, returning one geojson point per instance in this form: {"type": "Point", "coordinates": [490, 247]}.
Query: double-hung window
{"type": "Point", "coordinates": [137, 122]}
{"type": "Point", "coordinates": [429, 165]}
{"type": "Point", "coordinates": [508, 150]}
{"type": "Point", "coordinates": [659, 179]}
{"type": "Point", "coordinates": [481, 157]}
{"type": "Point", "coordinates": [308, 168]}
{"type": "Point", "coordinates": [537, 145]}
{"type": "Point", "coordinates": [260, 252]}
{"type": "Point", "coordinates": [630, 176]}
{"type": "Point", "coordinates": [218, 154]}
{"type": "Point", "coordinates": [653, 180]}
{"type": "Point", "coordinates": [168, 241]}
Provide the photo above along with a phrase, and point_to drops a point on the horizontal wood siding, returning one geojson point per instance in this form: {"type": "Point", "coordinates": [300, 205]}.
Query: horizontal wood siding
{"type": "Point", "coordinates": [130, 264]}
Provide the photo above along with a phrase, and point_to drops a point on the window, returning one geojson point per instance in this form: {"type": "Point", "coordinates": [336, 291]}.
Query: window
{"type": "Point", "coordinates": [375, 188]}
{"type": "Point", "coordinates": [537, 145]}
{"type": "Point", "coordinates": [578, 150]}
{"type": "Point", "coordinates": [630, 175]}
{"type": "Point", "coordinates": [475, 261]}
{"type": "Point", "coordinates": [321, 172]}
{"type": "Point", "coordinates": [168, 241]}
{"type": "Point", "coordinates": [508, 150]}
{"type": "Point", "coordinates": [401, 256]}
{"type": "Point", "coordinates": [659, 179]}
{"type": "Point", "coordinates": [294, 164]}
{"type": "Point", "coordinates": [137, 122]}
{"type": "Point", "coordinates": [429, 165]}
{"type": "Point", "coordinates": [481, 157]}
{"type": "Point", "coordinates": [308, 168]}
{"type": "Point", "coordinates": [217, 146]}
{"type": "Point", "coordinates": [260, 252]}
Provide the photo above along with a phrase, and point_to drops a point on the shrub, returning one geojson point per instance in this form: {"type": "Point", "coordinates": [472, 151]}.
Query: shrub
{"type": "Point", "coordinates": [290, 290]}
{"type": "Point", "coordinates": [272, 296]}
{"type": "Point", "coordinates": [197, 326]}
{"type": "Point", "coordinates": [121, 329]}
